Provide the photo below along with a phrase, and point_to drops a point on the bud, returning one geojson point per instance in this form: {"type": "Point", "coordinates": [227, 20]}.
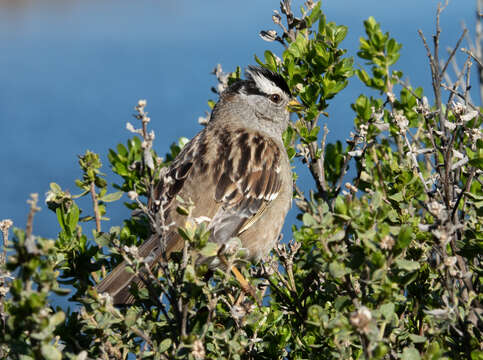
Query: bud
{"type": "Point", "coordinates": [435, 208]}
{"type": "Point", "coordinates": [469, 116]}
{"type": "Point", "coordinates": [270, 35]}
{"type": "Point", "coordinates": [277, 19]}
{"type": "Point", "coordinates": [132, 195]}
{"type": "Point", "coordinates": [387, 242]}
{"type": "Point", "coordinates": [198, 350]}
{"type": "Point", "coordinates": [309, 4]}
{"type": "Point", "coordinates": [401, 121]}
{"type": "Point", "coordinates": [5, 225]}
{"type": "Point", "coordinates": [237, 312]}
{"type": "Point", "coordinates": [361, 319]}
{"type": "Point", "coordinates": [391, 97]}
{"type": "Point", "coordinates": [450, 261]}
{"type": "Point", "coordinates": [458, 108]}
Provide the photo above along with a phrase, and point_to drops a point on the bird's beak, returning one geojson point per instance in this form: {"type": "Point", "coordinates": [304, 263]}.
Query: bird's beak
{"type": "Point", "coordinates": [294, 106]}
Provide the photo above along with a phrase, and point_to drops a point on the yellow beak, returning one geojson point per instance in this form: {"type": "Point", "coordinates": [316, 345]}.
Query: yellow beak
{"type": "Point", "coordinates": [294, 105]}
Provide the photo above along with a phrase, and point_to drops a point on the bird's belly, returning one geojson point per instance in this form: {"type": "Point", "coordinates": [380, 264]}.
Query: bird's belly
{"type": "Point", "coordinates": [261, 238]}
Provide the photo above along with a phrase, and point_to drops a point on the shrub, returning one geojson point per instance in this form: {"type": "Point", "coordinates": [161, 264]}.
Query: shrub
{"type": "Point", "coordinates": [385, 264]}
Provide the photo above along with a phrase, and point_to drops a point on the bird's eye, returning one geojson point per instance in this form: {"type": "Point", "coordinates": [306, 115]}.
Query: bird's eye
{"type": "Point", "coordinates": [275, 98]}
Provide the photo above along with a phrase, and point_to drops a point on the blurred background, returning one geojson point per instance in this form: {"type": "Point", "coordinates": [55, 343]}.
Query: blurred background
{"type": "Point", "coordinates": [72, 71]}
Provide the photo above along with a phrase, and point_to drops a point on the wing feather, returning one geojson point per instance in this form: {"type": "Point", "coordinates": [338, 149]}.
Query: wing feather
{"type": "Point", "coordinates": [244, 195]}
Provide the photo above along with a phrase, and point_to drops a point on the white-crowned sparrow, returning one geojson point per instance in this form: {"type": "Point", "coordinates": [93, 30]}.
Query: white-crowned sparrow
{"type": "Point", "coordinates": [235, 171]}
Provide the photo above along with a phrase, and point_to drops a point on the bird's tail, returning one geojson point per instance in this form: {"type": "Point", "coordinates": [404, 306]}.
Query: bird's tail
{"type": "Point", "coordinates": [117, 282]}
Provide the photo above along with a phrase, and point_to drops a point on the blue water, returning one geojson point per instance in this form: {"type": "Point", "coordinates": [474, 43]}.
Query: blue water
{"type": "Point", "coordinates": [71, 72]}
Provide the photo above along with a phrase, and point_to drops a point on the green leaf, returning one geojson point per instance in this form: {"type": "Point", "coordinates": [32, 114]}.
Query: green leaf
{"type": "Point", "coordinates": [185, 234]}
{"type": "Point", "coordinates": [298, 47]}
{"type": "Point", "coordinates": [477, 355]}
{"type": "Point", "coordinates": [338, 270]}
{"type": "Point", "coordinates": [73, 217]}
{"type": "Point", "coordinates": [165, 345]}
{"type": "Point", "coordinates": [57, 319]}
{"type": "Point", "coordinates": [404, 237]}
{"type": "Point", "coordinates": [131, 317]}
{"type": "Point", "coordinates": [341, 302]}
{"type": "Point", "coordinates": [315, 313]}
{"type": "Point", "coordinates": [363, 76]}
{"type": "Point", "coordinates": [387, 310]}
{"type": "Point", "coordinates": [270, 61]}
{"type": "Point", "coordinates": [410, 353]}
{"type": "Point", "coordinates": [112, 196]}
{"type": "Point", "coordinates": [287, 136]}
{"type": "Point", "coordinates": [397, 197]}
{"type": "Point", "coordinates": [189, 274]}
{"type": "Point", "coordinates": [60, 217]}
{"type": "Point", "coordinates": [50, 352]}
{"type": "Point", "coordinates": [182, 210]}
{"type": "Point", "coordinates": [340, 206]}
{"type": "Point", "coordinates": [417, 338]}
{"type": "Point", "coordinates": [308, 220]}
{"type": "Point", "coordinates": [55, 188]}
{"type": "Point", "coordinates": [340, 33]}
{"type": "Point", "coordinates": [407, 265]}
{"type": "Point", "coordinates": [103, 239]}
{"type": "Point", "coordinates": [210, 249]}
{"type": "Point", "coordinates": [121, 150]}
{"type": "Point", "coordinates": [476, 158]}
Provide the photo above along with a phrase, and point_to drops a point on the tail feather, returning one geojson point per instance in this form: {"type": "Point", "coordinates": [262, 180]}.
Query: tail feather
{"type": "Point", "coordinates": [117, 282]}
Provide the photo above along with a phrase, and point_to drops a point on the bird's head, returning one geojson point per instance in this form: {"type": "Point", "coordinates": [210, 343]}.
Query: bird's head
{"type": "Point", "coordinates": [260, 101]}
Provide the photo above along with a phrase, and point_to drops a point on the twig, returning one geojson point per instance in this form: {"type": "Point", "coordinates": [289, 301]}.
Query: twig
{"type": "Point", "coordinates": [316, 166]}
{"type": "Point", "coordinates": [184, 318]}
{"type": "Point", "coordinates": [345, 166]}
{"type": "Point", "coordinates": [143, 336]}
{"type": "Point", "coordinates": [163, 289]}
{"type": "Point", "coordinates": [478, 42]}
{"type": "Point", "coordinates": [455, 86]}
{"type": "Point", "coordinates": [379, 171]}
{"type": "Point", "coordinates": [467, 87]}
{"type": "Point", "coordinates": [96, 207]}
{"type": "Point", "coordinates": [466, 189]}
{"type": "Point", "coordinates": [34, 198]}
{"type": "Point", "coordinates": [4, 226]}
{"type": "Point", "coordinates": [287, 259]}
{"type": "Point", "coordinates": [478, 61]}
{"type": "Point", "coordinates": [286, 298]}
{"type": "Point", "coordinates": [322, 155]}
{"type": "Point", "coordinates": [302, 203]}
{"type": "Point", "coordinates": [460, 95]}
{"type": "Point", "coordinates": [408, 88]}
{"type": "Point", "coordinates": [453, 52]}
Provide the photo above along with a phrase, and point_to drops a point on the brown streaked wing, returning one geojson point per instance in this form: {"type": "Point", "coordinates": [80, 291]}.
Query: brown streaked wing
{"type": "Point", "coordinates": [238, 183]}
{"type": "Point", "coordinates": [247, 185]}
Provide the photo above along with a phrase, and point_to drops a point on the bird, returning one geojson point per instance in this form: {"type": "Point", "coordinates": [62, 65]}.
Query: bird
{"type": "Point", "coordinates": [236, 172]}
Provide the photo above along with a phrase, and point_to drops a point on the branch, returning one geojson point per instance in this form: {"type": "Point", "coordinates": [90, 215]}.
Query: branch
{"type": "Point", "coordinates": [34, 198]}
{"type": "Point", "coordinates": [4, 226]}
{"type": "Point", "coordinates": [453, 52]}
{"type": "Point", "coordinates": [96, 207]}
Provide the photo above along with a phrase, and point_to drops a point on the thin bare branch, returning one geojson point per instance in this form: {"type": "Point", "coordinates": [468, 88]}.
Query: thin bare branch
{"type": "Point", "coordinates": [453, 52]}
{"type": "Point", "coordinates": [95, 204]}
{"type": "Point", "coordinates": [4, 228]}
{"type": "Point", "coordinates": [34, 198]}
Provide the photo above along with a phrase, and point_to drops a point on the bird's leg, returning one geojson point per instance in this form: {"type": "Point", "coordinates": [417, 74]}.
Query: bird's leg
{"type": "Point", "coordinates": [245, 286]}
